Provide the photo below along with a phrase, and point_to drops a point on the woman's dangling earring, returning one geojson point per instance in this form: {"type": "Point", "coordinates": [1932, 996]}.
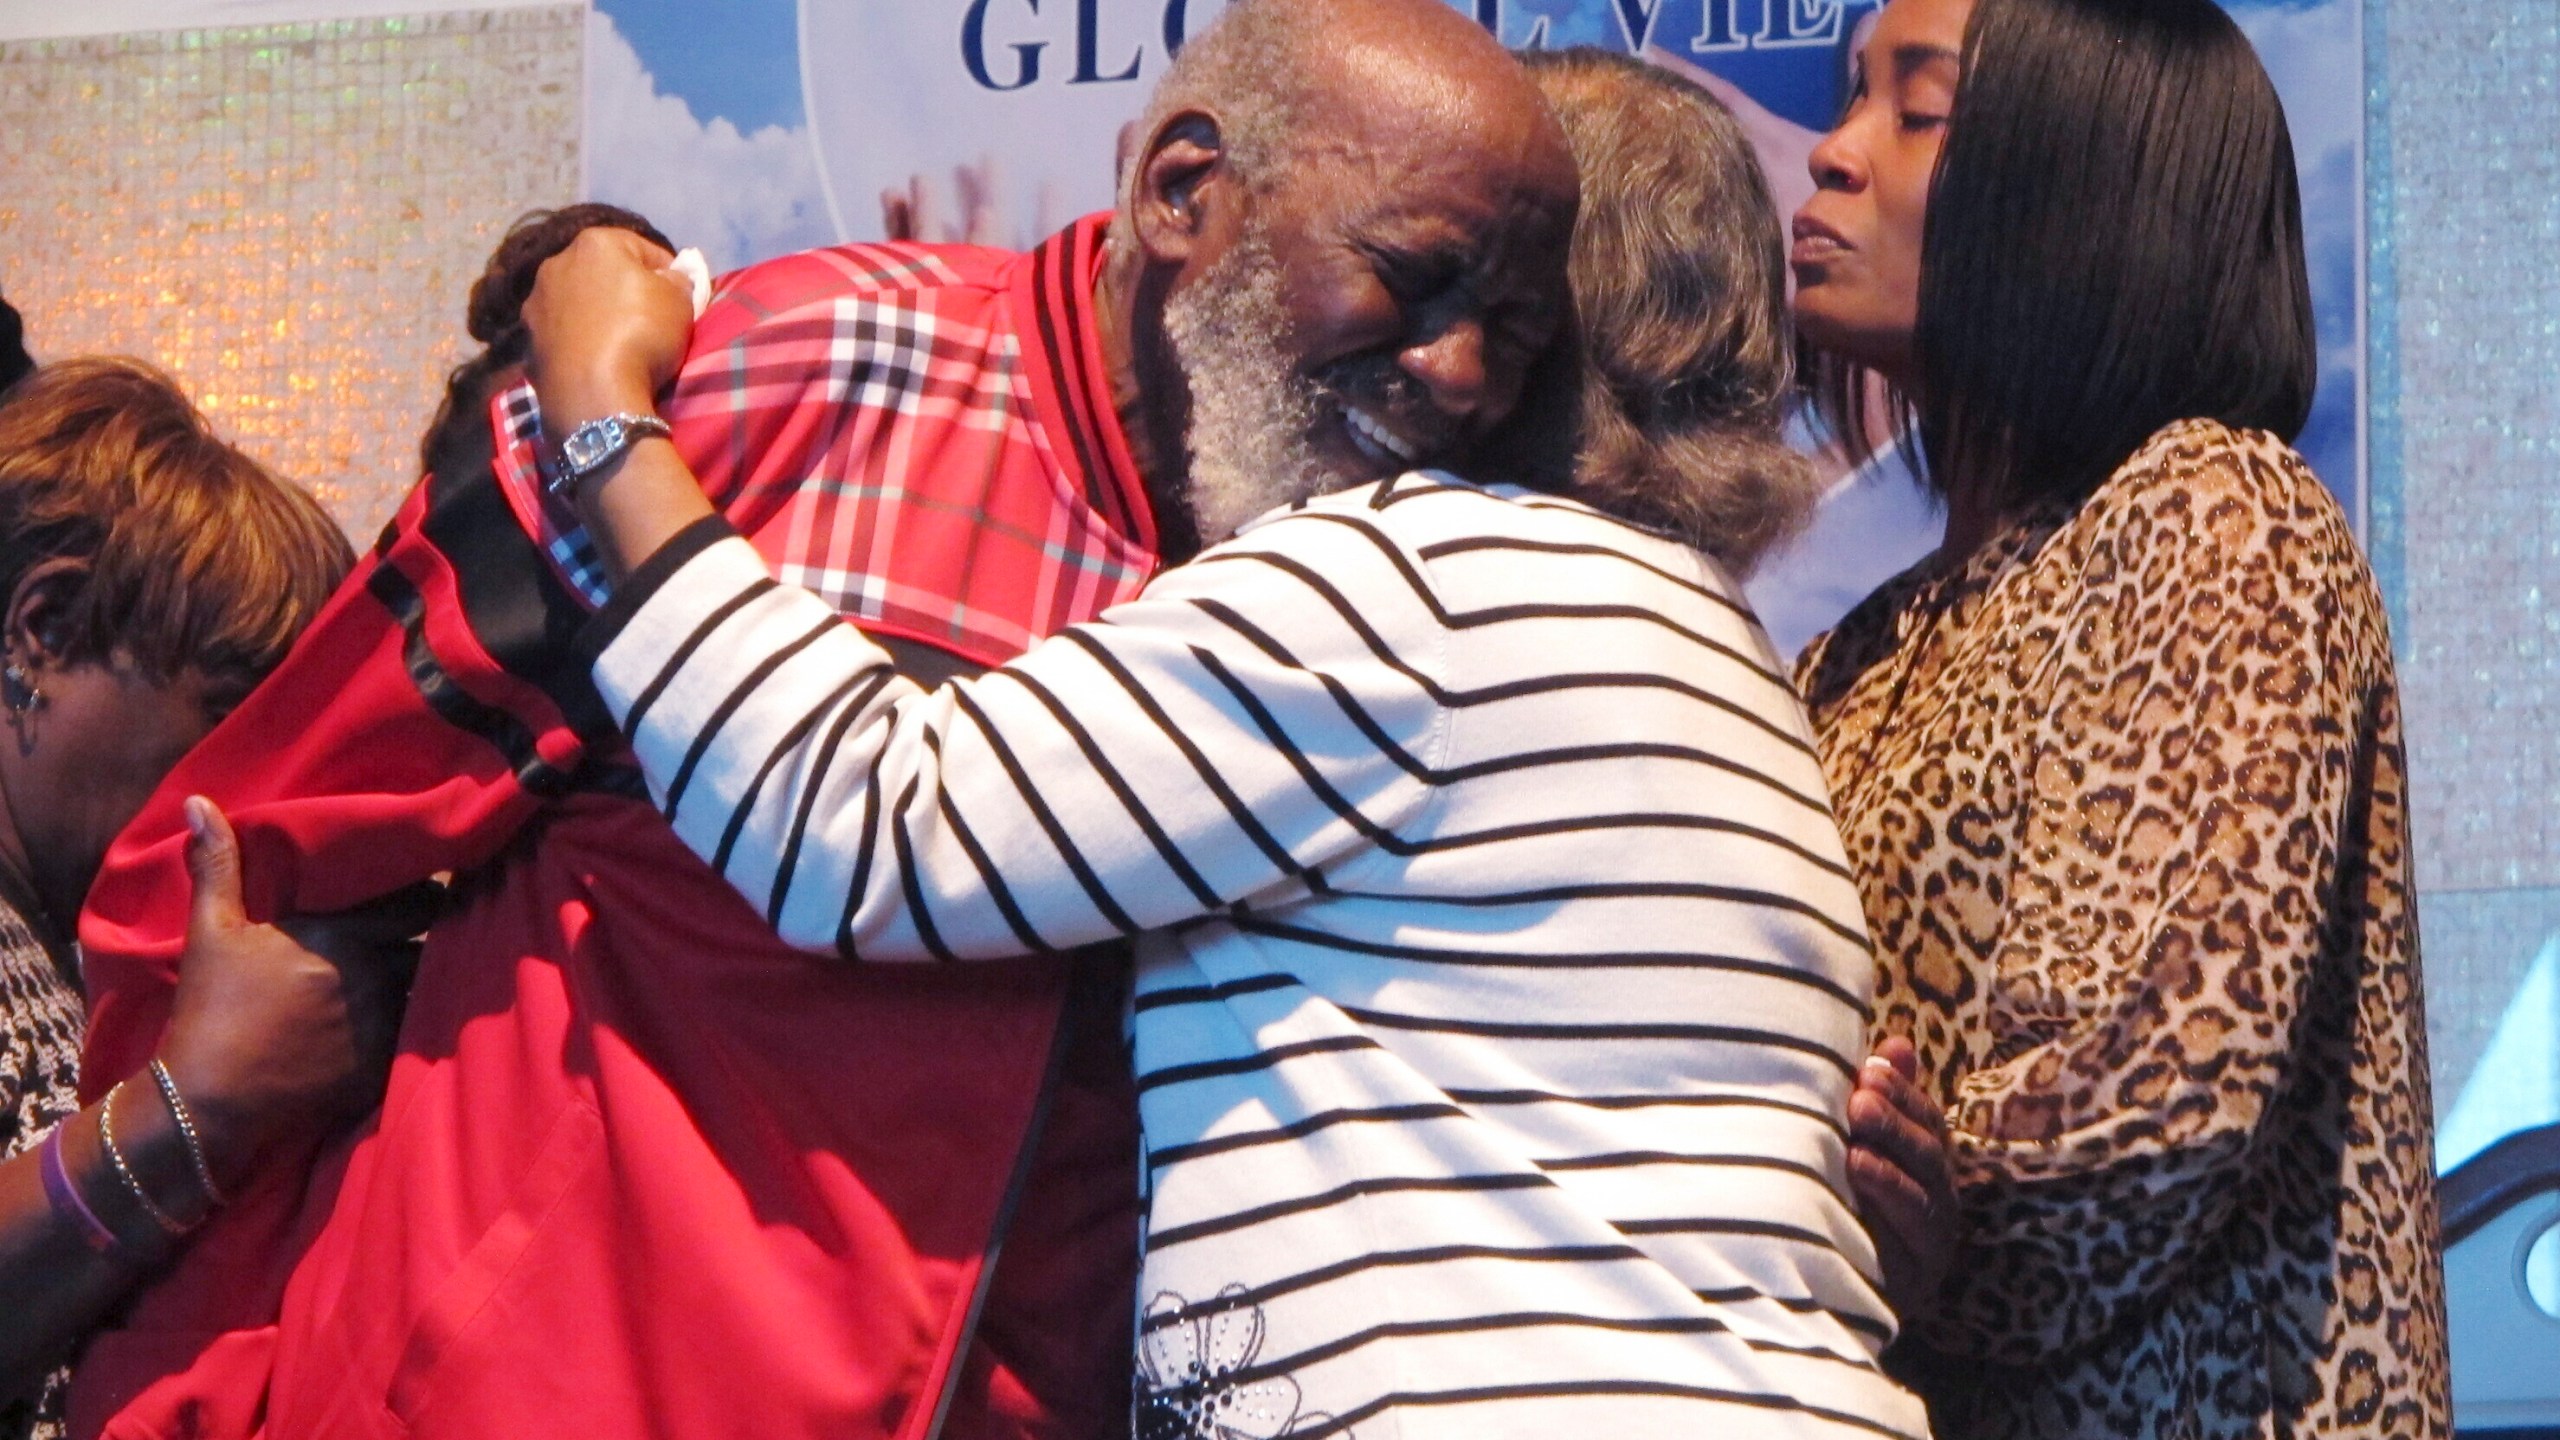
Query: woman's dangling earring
{"type": "Point", "coordinates": [17, 690]}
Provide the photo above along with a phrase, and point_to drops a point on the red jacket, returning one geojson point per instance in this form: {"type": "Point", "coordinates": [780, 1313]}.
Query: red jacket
{"type": "Point", "coordinates": [643, 1170]}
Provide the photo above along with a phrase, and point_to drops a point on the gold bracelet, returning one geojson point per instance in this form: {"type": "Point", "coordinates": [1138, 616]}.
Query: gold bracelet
{"type": "Point", "coordinates": [124, 1172]}
{"type": "Point", "coordinates": [186, 1131]}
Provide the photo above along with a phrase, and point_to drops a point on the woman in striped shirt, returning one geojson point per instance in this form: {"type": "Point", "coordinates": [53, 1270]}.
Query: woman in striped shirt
{"type": "Point", "coordinates": [1500, 979]}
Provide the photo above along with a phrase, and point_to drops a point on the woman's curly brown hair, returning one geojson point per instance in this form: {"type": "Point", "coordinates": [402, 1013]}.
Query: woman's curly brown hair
{"type": "Point", "coordinates": [1679, 289]}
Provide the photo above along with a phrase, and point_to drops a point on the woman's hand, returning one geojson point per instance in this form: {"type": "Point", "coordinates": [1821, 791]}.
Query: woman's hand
{"type": "Point", "coordinates": [609, 324]}
{"type": "Point", "coordinates": [1898, 1169]}
{"type": "Point", "coordinates": [282, 1033]}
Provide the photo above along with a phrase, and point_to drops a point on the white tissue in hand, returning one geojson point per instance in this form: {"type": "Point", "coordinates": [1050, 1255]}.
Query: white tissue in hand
{"type": "Point", "coordinates": [696, 271]}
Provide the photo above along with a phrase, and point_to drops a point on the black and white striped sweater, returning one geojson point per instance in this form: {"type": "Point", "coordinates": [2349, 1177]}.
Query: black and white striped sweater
{"type": "Point", "coordinates": [1500, 977]}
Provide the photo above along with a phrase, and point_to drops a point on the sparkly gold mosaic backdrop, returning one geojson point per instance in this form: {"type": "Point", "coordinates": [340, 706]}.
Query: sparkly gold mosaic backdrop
{"type": "Point", "coordinates": [285, 216]}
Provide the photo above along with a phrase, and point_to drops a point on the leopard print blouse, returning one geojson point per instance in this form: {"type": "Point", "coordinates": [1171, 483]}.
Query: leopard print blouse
{"type": "Point", "coordinates": [2125, 794]}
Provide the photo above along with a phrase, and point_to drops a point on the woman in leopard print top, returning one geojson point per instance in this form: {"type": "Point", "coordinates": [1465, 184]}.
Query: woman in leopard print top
{"type": "Point", "coordinates": [2120, 767]}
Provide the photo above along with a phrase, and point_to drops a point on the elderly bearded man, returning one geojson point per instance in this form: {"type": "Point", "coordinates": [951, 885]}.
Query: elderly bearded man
{"type": "Point", "coordinates": [1499, 981]}
{"type": "Point", "coordinates": [642, 1170]}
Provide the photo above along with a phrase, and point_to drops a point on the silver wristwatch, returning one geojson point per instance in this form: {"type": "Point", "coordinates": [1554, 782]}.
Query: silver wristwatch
{"type": "Point", "coordinates": [596, 444]}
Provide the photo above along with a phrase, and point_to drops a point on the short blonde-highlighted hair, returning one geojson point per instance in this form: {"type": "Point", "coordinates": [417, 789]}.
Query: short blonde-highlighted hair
{"type": "Point", "coordinates": [199, 558]}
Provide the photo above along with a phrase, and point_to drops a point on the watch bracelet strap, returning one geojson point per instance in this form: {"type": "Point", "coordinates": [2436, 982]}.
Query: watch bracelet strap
{"type": "Point", "coordinates": [566, 476]}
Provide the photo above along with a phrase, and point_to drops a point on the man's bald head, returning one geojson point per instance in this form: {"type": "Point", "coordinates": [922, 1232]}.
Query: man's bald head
{"type": "Point", "coordinates": [1274, 72]}
{"type": "Point", "coordinates": [1340, 245]}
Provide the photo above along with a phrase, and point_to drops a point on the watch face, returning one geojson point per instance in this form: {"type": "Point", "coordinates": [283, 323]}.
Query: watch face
{"type": "Point", "coordinates": [591, 444]}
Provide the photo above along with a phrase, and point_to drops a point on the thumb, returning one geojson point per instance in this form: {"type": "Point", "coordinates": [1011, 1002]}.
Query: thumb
{"type": "Point", "coordinates": [213, 863]}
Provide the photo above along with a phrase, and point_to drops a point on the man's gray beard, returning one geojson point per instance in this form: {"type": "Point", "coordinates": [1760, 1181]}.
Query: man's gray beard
{"type": "Point", "coordinates": [1250, 411]}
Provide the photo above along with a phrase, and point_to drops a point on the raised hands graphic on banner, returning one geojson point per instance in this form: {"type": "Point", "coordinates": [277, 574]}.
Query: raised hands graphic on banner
{"type": "Point", "coordinates": [969, 209]}
{"type": "Point", "coordinates": [974, 212]}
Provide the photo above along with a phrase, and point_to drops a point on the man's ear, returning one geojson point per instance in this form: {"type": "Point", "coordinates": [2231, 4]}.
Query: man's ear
{"type": "Point", "coordinates": [1179, 175]}
{"type": "Point", "coordinates": [39, 614]}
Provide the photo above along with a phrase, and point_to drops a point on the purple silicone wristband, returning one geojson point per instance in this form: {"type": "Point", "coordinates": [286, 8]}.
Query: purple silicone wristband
{"type": "Point", "coordinates": [64, 1196]}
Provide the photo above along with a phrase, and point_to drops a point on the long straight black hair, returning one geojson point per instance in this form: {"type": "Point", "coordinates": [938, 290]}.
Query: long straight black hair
{"type": "Point", "coordinates": [2114, 242]}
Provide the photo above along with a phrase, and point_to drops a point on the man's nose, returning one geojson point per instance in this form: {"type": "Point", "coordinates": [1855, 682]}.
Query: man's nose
{"type": "Point", "coordinates": [1453, 370]}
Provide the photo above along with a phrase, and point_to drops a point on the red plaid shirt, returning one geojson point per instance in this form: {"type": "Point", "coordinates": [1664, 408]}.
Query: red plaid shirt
{"type": "Point", "coordinates": [922, 435]}
{"type": "Point", "coordinates": [868, 417]}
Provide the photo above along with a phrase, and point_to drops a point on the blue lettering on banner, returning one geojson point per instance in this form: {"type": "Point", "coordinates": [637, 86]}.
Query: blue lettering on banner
{"type": "Point", "coordinates": [1717, 32]}
{"type": "Point", "coordinates": [973, 49]}
{"type": "Point", "coordinates": [1088, 41]}
{"type": "Point", "coordinates": [1791, 23]}
{"type": "Point", "coordinates": [1720, 29]}
{"type": "Point", "coordinates": [1635, 21]}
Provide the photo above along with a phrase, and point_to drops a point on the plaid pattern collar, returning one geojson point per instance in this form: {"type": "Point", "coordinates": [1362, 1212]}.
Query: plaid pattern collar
{"type": "Point", "coordinates": [921, 435]}
{"type": "Point", "coordinates": [1053, 303]}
